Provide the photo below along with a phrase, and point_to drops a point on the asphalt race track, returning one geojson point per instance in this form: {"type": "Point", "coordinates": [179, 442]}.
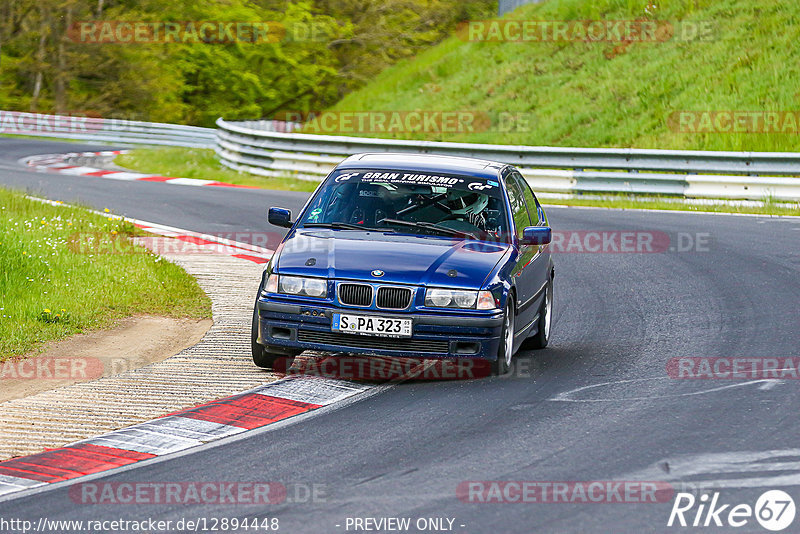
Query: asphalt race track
{"type": "Point", "coordinates": [219, 211]}
{"type": "Point", "coordinates": [597, 405]}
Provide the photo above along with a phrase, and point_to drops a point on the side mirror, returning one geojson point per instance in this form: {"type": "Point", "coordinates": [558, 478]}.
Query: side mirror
{"type": "Point", "coordinates": [280, 217]}
{"type": "Point", "coordinates": [537, 235]}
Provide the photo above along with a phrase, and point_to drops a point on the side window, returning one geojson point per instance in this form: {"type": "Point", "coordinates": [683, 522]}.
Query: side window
{"type": "Point", "coordinates": [330, 205]}
{"type": "Point", "coordinates": [518, 211]}
{"type": "Point", "coordinates": [533, 206]}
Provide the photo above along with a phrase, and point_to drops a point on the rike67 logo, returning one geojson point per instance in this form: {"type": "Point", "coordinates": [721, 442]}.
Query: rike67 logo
{"type": "Point", "coordinates": [774, 510]}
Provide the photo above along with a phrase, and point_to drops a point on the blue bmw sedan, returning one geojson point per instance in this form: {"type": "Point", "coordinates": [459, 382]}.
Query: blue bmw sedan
{"type": "Point", "coordinates": [410, 256]}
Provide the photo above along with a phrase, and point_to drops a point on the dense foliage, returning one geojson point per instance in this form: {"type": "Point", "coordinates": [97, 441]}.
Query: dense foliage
{"type": "Point", "coordinates": [326, 49]}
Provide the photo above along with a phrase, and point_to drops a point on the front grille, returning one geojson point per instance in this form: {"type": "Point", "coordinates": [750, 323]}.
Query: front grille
{"type": "Point", "coordinates": [355, 294]}
{"type": "Point", "coordinates": [356, 341]}
{"type": "Point", "coordinates": [394, 298]}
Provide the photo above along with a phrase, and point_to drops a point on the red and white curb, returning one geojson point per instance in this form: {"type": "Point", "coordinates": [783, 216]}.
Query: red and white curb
{"type": "Point", "coordinates": [189, 428]}
{"type": "Point", "coordinates": [200, 241]}
{"type": "Point", "coordinates": [59, 163]}
{"type": "Point", "coordinates": [192, 427]}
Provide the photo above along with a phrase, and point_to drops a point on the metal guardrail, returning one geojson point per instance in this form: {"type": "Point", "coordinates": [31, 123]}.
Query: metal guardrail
{"type": "Point", "coordinates": [694, 174]}
{"type": "Point", "coordinates": [117, 131]}
{"type": "Point", "coordinates": [272, 148]}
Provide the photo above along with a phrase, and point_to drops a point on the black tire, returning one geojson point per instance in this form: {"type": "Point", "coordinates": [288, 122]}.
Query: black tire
{"type": "Point", "coordinates": [542, 336]}
{"type": "Point", "coordinates": [502, 364]}
{"type": "Point", "coordinates": [262, 356]}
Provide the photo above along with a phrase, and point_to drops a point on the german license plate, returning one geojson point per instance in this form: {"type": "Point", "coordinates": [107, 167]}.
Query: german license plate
{"type": "Point", "coordinates": [371, 325]}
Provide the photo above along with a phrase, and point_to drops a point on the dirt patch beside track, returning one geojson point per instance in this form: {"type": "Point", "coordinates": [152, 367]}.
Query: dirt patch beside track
{"type": "Point", "coordinates": [217, 366]}
{"type": "Point", "coordinates": [133, 343]}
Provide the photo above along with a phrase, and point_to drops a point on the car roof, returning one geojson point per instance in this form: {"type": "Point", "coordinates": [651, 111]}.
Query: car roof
{"type": "Point", "coordinates": [424, 163]}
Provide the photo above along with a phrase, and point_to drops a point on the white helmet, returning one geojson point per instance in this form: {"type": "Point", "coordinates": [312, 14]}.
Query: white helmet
{"type": "Point", "coordinates": [471, 203]}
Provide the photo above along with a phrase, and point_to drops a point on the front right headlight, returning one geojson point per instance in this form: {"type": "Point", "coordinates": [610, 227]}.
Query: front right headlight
{"type": "Point", "coordinates": [297, 285]}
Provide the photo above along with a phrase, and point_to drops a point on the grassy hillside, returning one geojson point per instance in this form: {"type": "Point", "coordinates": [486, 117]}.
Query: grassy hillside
{"type": "Point", "coordinates": [611, 94]}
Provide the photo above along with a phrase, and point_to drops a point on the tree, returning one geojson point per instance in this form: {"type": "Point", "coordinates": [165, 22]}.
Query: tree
{"type": "Point", "coordinates": [329, 47]}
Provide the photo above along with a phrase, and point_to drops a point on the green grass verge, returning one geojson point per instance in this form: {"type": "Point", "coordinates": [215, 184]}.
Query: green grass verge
{"type": "Point", "coordinates": [598, 94]}
{"type": "Point", "coordinates": [51, 289]}
{"type": "Point", "coordinates": [47, 138]}
{"type": "Point", "coordinates": [202, 163]}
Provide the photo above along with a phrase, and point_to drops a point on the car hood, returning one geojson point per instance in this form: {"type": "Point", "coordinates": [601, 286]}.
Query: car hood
{"type": "Point", "coordinates": [407, 259]}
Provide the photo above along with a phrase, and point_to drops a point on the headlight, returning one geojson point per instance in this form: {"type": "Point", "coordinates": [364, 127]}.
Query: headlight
{"type": "Point", "coordinates": [440, 298]}
{"type": "Point", "coordinates": [465, 299]}
{"type": "Point", "coordinates": [457, 298]}
{"type": "Point", "coordinates": [297, 285]}
{"type": "Point", "coordinates": [314, 287]}
{"type": "Point", "coordinates": [290, 285]}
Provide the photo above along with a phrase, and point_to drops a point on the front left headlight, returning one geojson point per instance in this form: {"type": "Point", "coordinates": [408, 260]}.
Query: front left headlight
{"type": "Point", "coordinates": [459, 298]}
{"type": "Point", "coordinates": [297, 285]}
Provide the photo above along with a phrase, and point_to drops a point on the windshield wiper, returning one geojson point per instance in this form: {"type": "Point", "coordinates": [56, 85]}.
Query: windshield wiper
{"type": "Point", "coordinates": [429, 226]}
{"type": "Point", "coordinates": [341, 226]}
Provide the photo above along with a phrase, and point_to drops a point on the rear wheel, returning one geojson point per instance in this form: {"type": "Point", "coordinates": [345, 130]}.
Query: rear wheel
{"type": "Point", "coordinates": [505, 352]}
{"type": "Point", "coordinates": [262, 356]}
{"type": "Point", "coordinates": [542, 336]}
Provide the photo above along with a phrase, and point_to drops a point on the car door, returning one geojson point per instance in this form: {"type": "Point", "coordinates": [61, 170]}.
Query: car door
{"type": "Point", "coordinates": [523, 273]}
{"type": "Point", "coordinates": [539, 266]}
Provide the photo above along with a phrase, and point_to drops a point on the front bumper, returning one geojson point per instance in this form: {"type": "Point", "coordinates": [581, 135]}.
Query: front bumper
{"type": "Point", "coordinates": [308, 327]}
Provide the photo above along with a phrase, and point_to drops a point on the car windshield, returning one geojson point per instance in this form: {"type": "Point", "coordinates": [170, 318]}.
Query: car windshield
{"type": "Point", "coordinates": [410, 202]}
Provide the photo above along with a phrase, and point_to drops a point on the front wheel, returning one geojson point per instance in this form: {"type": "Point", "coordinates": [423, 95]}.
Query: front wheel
{"type": "Point", "coordinates": [542, 336]}
{"type": "Point", "coordinates": [505, 352]}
